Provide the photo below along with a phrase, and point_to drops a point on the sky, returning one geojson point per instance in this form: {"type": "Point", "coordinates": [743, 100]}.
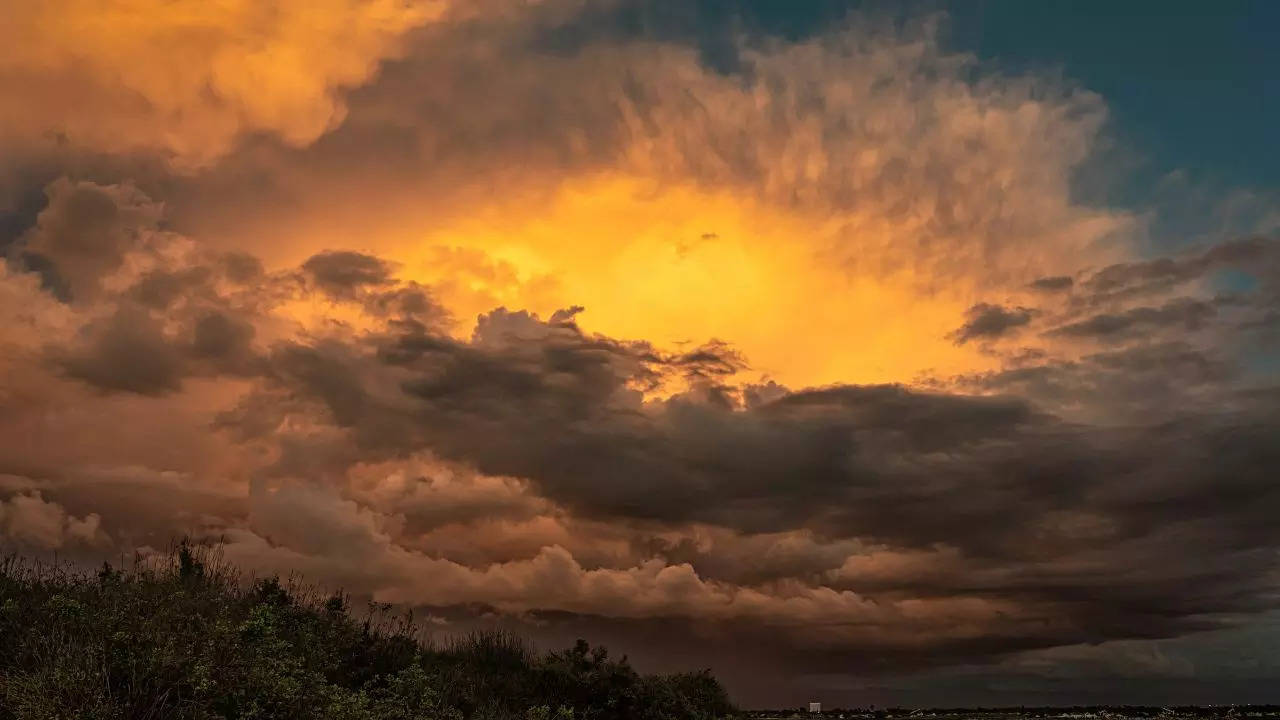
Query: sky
{"type": "Point", "coordinates": [871, 354]}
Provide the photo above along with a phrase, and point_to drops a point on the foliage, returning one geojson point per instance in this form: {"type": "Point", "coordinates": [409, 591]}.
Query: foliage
{"type": "Point", "coordinates": [188, 637]}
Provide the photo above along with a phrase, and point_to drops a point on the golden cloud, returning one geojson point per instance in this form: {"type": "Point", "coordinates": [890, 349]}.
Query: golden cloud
{"type": "Point", "coordinates": [188, 78]}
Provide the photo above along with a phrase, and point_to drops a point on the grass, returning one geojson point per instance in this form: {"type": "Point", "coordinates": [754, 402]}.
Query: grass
{"type": "Point", "coordinates": [186, 636]}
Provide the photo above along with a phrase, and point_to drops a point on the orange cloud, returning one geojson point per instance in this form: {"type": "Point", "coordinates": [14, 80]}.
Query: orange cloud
{"type": "Point", "coordinates": [188, 78]}
{"type": "Point", "coordinates": [679, 264]}
{"type": "Point", "coordinates": [832, 212]}
{"type": "Point", "coordinates": [814, 199]}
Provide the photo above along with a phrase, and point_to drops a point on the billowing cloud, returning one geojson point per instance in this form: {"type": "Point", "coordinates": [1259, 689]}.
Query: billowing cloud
{"type": "Point", "coordinates": [824, 181]}
{"type": "Point", "coordinates": [187, 78]}
{"type": "Point", "coordinates": [29, 519]}
{"type": "Point", "coordinates": [818, 354]}
{"type": "Point", "coordinates": [372, 443]}
{"type": "Point", "coordinates": [86, 230]}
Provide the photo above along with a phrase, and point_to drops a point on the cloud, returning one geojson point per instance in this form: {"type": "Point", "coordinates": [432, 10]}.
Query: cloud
{"type": "Point", "coordinates": [86, 230]}
{"type": "Point", "coordinates": [28, 519]}
{"type": "Point", "coordinates": [1134, 384]}
{"type": "Point", "coordinates": [144, 307]}
{"type": "Point", "coordinates": [127, 353]}
{"type": "Point", "coordinates": [219, 337]}
{"type": "Point", "coordinates": [130, 352]}
{"type": "Point", "coordinates": [1188, 315]}
{"type": "Point", "coordinates": [991, 321]}
{"type": "Point", "coordinates": [522, 401]}
{"type": "Point", "coordinates": [1255, 254]}
{"type": "Point", "coordinates": [553, 579]}
{"type": "Point", "coordinates": [617, 478]}
{"type": "Point", "coordinates": [547, 402]}
{"type": "Point", "coordinates": [1141, 340]}
{"type": "Point", "coordinates": [1053, 283]}
{"type": "Point", "coordinates": [818, 181]}
{"type": "Point", "coordinates": [646, 344]}
{"type": "Point", "coordinates": [188, 79]}
{"type": "Point", "coordinates": [344, 273]}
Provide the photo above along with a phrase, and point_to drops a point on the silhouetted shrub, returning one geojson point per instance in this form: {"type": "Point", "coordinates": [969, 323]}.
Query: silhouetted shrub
{"type": "Point", "coordinates": [188, 637]}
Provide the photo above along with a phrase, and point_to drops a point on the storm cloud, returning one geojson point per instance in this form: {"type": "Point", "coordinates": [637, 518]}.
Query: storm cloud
{"type": "Point", "coordinates": [807, 348]}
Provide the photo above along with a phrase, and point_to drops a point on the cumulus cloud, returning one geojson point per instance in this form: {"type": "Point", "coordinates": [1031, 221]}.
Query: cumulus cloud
{"type": "Point", "coordinates": [617, 478]}
{"type": "Point", "coordinates": [813, 125]}
{"type": "Point", "coordinates": [285, 535]}
{"type": "Point", "coordinates": [869, 160]}
{"type": "Point", "coordinates": [86, 230]}
{"type": "Point", "coordinates": [544, 385]}
{"type": "Point", "coordinates": [28, 519]}
{"type": "Point", "coordinates": [129, 353]}
{"type": "Point", "coordinates": [189, 79]}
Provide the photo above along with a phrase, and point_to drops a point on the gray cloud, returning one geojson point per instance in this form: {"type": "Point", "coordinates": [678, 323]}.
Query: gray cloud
{"type": "Point", "coordinates": [86, 229]}
{"type": "Point", "coordinates": [932, 477]}
{"type": "Point", "coordinates": [343, 273]}
{"type": "Point", "coordinates": [1053, 283]}
{"type": "Point", "coordinates": [1148, 381]}
{"type": "Point", "coordinates": [31, 521]}
{"type": "Point", "coordinates": [987, 322]}
{"type": "Point", "coordinates": [1256, 255]}
{"type": "Point", "coordinates": [1186, 314]}
{"type": "Point", "coordinates": [128, 352]}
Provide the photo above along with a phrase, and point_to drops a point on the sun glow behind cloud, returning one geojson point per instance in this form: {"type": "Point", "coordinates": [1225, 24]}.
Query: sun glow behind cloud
{"type": "Point", "coordinates": [680, 265]}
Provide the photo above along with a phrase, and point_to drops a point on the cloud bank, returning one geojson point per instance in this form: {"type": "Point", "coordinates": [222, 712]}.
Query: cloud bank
{"type": "Point", "coordinates": [818, 355]}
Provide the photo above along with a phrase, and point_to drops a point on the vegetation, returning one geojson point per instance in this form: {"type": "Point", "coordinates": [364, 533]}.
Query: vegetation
{"type": "Point", "coordinates": [190, 638]}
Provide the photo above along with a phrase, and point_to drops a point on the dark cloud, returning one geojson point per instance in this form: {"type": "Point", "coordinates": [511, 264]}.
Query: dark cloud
{"type": "Point", "coordinates": [408, 305]}
{"type": "Point", "coordinates": [40, 265]}
{"type": "Point", "coordinates": [343, 273]}
{"type": "Point", "coordinates": [1256, 255]}
{"type": "Point", "coordinates": [988, 322]}
{"type": "Point", "coordinates": [127, 352]}
{"type": "Point", "coordinates": [881, 491]}
{"type": "Point", "coordinates": [1185, 314]}
{"type": "Point", "coordinates": [133, 351]}
{"type": "Point", "coordinates": [1054, 283]}
{"type": "Point", "coordinates": [160, 288]}
{"type": "Point", "coordinates": [136, 507]}
{"type": "Point", "coordinates": [551, 404]}
{"type": "Point", "coordinates": [241, 268]}
{"type": "Point", "coordinates": [1133, 384]}
{"type": "Point", "coordinates": [86, 229]}
{"type": "Point", "coordinates": [220, 337]}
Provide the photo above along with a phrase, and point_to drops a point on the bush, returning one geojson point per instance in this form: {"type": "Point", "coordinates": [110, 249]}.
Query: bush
{"type": "Point", "coordinates": [187, 637]}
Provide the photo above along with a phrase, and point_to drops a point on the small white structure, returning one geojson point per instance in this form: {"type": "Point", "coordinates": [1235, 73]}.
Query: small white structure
{"type": "Point", "coordinates": [815, 707]}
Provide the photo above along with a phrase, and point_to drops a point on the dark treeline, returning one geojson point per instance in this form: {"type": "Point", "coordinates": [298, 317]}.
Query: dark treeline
{"type": "Point", "coordinates": [190, 638]}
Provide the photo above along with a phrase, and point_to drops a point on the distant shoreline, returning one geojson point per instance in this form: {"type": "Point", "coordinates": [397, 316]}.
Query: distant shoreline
{"type": "Point", "coordinates": [1048, 711]}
